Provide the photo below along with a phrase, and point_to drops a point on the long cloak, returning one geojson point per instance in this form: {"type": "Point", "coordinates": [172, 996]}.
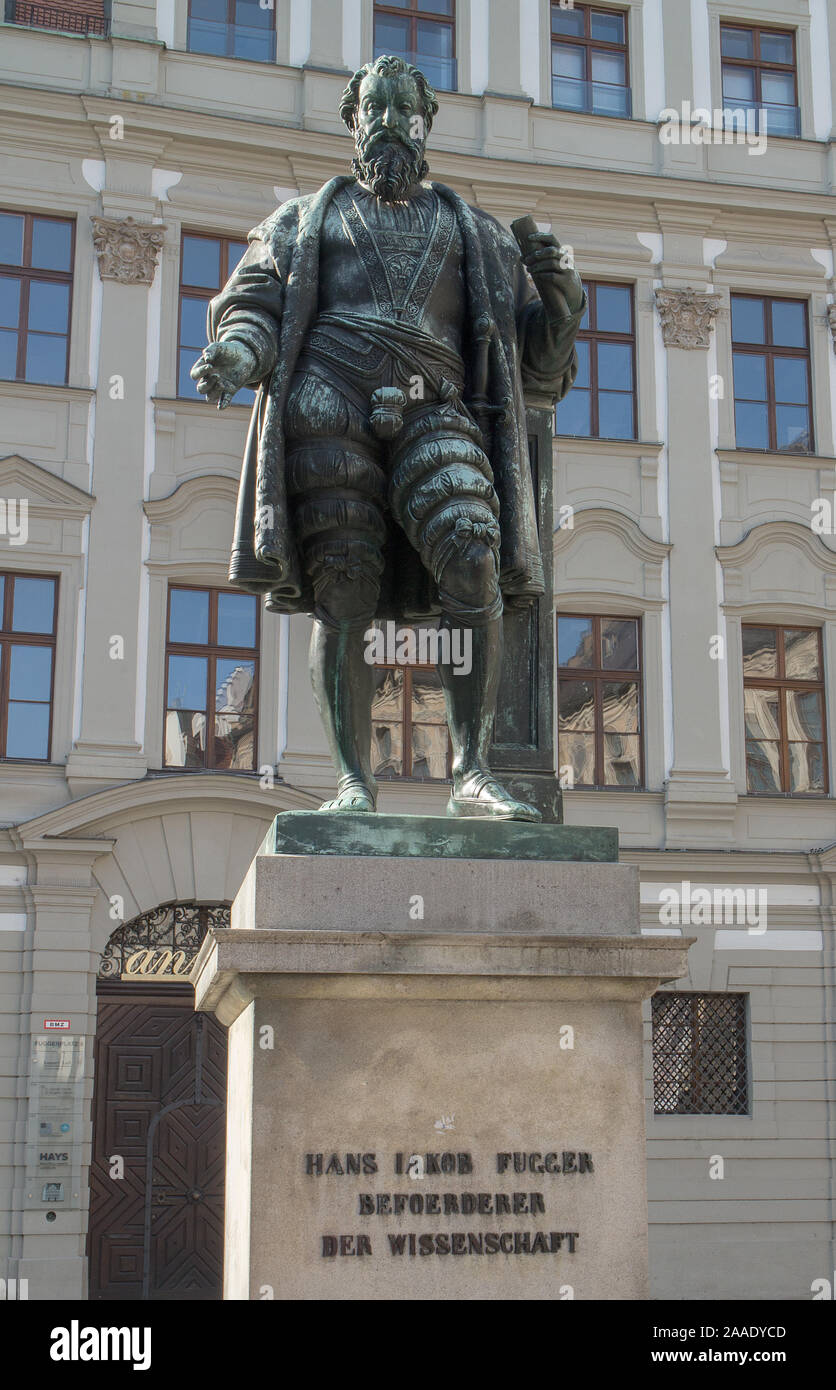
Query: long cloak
{"type": "Point", "coordinates": [264, 554]}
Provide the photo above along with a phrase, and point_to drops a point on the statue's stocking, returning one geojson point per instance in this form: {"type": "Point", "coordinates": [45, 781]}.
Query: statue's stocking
{"type": "Point", "coordinates": [471, 702]}
{"type": "Point", "coordinates": [471, 698]}
{"type": "Point", "coordinates": [343, 684]}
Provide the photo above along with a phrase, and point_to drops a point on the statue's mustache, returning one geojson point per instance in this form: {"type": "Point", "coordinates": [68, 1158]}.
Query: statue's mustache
{"type": "Point", "coordinates": [378, 138]}
{"type": "Point", "coordinates": [387, 133]}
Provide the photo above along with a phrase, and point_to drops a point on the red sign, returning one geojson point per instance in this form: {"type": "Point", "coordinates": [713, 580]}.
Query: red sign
{"type": "Point", "coordinates": [57, 1023]}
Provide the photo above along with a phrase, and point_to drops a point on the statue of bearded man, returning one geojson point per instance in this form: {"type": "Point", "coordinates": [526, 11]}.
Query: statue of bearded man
{"type": "Point", "coordinates": [391, 330]}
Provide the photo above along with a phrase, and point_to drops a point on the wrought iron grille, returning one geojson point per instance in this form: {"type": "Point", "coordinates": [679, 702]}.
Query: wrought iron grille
{"type": "Point", "coordinates": [699, 1054]}
{"type": "Point", "coordinates": [67, 21]}
{"type": "Point", "coordinates": [162, 943]}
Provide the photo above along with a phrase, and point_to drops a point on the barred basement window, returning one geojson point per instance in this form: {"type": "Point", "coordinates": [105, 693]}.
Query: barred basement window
{"type": "Point", "coordinates": [699, 1054]}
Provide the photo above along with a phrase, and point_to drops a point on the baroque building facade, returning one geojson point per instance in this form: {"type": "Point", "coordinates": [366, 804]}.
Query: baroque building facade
{"type": "Point", "coordinates": [152, 722]}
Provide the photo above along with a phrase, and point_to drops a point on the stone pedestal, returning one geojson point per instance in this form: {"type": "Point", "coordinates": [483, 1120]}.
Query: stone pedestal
{"type": "Point", "coordinates": [435, 1064]}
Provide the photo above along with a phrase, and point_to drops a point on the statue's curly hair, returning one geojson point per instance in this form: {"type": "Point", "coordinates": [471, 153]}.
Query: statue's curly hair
{"type": "Point", "coordinates": [388, 66]}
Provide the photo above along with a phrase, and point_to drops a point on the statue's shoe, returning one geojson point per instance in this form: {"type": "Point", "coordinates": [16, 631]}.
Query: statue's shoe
{"type": "Point", "coordinates": [354, 796]}
{"type": "Point", "coordinates": [482, 795]}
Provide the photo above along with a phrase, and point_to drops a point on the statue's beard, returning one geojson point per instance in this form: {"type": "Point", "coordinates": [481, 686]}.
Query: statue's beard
{"type": "Point", "coordinates": [389, 166]}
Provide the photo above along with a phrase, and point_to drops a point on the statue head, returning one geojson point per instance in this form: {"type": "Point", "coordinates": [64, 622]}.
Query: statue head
{"type": "Point", "coordinates": [389, 105]}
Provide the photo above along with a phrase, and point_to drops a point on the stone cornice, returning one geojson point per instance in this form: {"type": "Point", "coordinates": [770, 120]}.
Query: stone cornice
{"type": "Point", "coordinates": [756, 458]}
{"type": "Point", "coordinates": [607, 519]}
{"type": "Point", "coordinates": [103, 811]}
{"type": "Point", "coordinates": [791, 532]}
{"type": "Point", "coordinates": [41, 390]}
{"type": "Point", "coordinates": [178, 503]}
{"type": "Point", "coordinates": [197, 409]}
{"type": "Point", "coordinates": [715, 866]}
{"type": "Point", "coordinates": [60, 121]}
{"type": "Point", "coordinates": [47, 495]}
{"type": "Point", "coordinates": [611, 448]}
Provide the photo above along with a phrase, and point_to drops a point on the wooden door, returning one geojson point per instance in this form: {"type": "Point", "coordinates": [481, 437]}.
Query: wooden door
{"type": "Point", "coordinates": [159, 1104]}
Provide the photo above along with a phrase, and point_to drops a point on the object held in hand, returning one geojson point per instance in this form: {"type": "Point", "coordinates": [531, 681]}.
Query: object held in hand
{"type": "Point", "coordinates": [524, 228]}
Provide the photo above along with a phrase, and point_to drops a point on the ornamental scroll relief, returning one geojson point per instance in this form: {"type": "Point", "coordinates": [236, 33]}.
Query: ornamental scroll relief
{"type": "Point", "coordinates": [687, 317]}
{"type": "Point", "coordinates": [127, 250]}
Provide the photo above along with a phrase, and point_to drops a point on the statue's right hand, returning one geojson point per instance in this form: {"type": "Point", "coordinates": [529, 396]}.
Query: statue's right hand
{"type": "Point", "coordinates": [222, 369]}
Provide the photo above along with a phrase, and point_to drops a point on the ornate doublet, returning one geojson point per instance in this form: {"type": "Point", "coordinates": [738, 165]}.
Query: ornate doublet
{"type": "Point", "coordinates": [392, 291]}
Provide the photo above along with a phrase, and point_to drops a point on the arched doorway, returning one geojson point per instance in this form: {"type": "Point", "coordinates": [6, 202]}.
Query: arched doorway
{"type": "Point", "coordinates": [159, 1116]}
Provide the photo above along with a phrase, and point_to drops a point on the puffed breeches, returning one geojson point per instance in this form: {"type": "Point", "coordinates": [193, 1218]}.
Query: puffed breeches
{"type": "Point", "coordinates": [346, 487]}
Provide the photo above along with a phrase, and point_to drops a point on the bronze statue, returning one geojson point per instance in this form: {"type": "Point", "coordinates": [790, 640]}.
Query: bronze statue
{"type": "Point", "coordinates": [391, 328]}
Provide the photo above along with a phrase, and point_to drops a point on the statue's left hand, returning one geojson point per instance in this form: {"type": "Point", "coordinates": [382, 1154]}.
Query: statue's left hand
{"type": "Point", "coordinates": [558, 283]}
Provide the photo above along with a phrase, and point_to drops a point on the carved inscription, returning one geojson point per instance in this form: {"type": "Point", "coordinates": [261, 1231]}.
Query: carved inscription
{"type": "Point", "coordinates": [425, 1197]}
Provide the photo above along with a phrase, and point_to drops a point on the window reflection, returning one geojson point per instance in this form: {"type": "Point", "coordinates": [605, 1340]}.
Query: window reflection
{"type": "Point", "coordinates": [598, 716]}
{"type": "Point", "coordinates": [211, 700]}
{"type": "Point", "coordinates": [783, 704]}
{"type": "Point", "coordinates": [409, 726]}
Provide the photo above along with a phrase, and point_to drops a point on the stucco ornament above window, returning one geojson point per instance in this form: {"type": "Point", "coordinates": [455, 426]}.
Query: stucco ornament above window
{"type": "Point", "coordinates": [831, 320]}
{"type": "Point", "coordinates": [127, 250]}
{"type": "Point", "coordinates": [687, 317]}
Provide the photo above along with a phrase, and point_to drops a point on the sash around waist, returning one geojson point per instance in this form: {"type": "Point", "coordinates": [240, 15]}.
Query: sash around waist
{"type": "Point", "coordinates": [419, 352]}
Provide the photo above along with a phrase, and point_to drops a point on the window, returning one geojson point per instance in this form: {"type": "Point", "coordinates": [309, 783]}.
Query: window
{"type": "Point", "coordinates": [409, 724]}
{"type": "Point", "coordinates": [91, 17]}
{"type": "Point", "coordinates": [783, 703]}
{"type": "Point", "coordinates": [771, 360]}
{"type": "Point", "coordinates": [699, 1054]}
{"type": "Point", "coordinates": [759, 76]}
{"type": "Point", "coordinates": [602, 402]}
{"type": "Point", "coordinates": [423, 34]}
{"type": "Point", "coordinates": [599, 731]}
{"type": "Point", "coordinates": [590, 70]}
{"type": "Point", "coordinates": [36, 281]}
{"type": "Point", "coordinates": [232, 29]}
{"type": "Point", "coordinates": [27, 660]}
{"type": "Point", "coordinates": [206, 263]}
{"type": "Point", "coordinates": [211, 694]}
